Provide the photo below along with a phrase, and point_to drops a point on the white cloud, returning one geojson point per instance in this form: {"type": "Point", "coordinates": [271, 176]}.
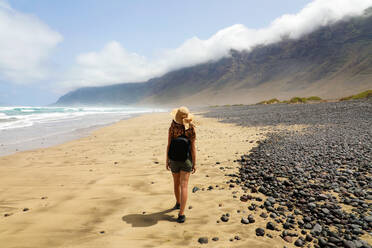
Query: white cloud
{"type": "Point", "coordinates": [113, 64]}
{"type": "Point", "coordinates": [25, 44]}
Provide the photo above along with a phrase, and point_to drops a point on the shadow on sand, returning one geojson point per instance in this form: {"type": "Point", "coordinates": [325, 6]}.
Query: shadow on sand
{"type": "Point", "coordinates": [144, 220]}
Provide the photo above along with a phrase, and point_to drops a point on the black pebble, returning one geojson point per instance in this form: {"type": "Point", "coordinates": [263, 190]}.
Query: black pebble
{"type": "Point", "coordinates": [224, 218]}
{"type": "Point", "coordinates": [297, 170]}
{"type": "Point", "coordinates": [203, 240]}
{"type": "Point", "coordinates": [195, 189]}
{"type": "Point", "coordinates": [260, 231]}
{"type": "Point", "coordinates": [270, 226]}
{"type": "Point", "coordinates": [263, 215]}
{"type": "Point", "coordinates": [299, 243]}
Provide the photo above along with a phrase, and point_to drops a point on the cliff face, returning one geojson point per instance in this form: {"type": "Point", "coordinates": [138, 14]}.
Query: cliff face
{"type": "Point", "coordinates": [119, 94]}
{"type": "Point", "coordinates": [331, 62]}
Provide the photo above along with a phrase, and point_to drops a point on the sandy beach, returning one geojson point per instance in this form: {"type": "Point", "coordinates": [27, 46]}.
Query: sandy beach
{"type": "Point", "coordinates": [111, 189]}
{"type": "Point", "coordinates": [281, 96]}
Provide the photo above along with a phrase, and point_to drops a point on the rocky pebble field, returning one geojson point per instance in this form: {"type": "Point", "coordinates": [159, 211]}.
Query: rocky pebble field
{"type": "Point", "coordinates": [317, 182]}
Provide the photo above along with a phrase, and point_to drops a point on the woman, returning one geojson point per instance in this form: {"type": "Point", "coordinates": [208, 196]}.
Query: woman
{"type": "Point", "coordinates": [181, 126]}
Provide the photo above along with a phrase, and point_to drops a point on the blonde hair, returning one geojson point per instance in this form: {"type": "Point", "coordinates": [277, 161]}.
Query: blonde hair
{"type": "Point", "coordinates": [182, 116]}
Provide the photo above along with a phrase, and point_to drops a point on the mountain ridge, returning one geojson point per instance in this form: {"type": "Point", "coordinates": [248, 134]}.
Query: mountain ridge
{"type": "Point", "coordinates": [331, 62]}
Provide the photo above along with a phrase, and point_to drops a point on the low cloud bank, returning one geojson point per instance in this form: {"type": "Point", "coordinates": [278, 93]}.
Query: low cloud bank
{"type": "Point", "coordinates": [25, 45]}
{"type": "Point", "coordinates": [113, 64]}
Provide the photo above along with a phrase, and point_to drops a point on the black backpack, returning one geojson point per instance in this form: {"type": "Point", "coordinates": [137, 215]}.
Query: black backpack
{"type": "Point", "coordinates": [179, 149]}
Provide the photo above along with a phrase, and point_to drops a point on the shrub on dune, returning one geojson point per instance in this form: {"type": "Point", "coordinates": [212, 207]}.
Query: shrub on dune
{"type": "Point", "coordinates": [314, 98]}
{"type": "Point", "coordinates": [298, 100]}
{"type": "Point", "coordinates": [271, 101]}
{"type": "Point", "coordinates": [362, 95]}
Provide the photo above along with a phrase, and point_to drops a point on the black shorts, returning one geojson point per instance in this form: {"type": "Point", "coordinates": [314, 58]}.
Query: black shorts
{"type": "Point", "coordinates": [177, 166]}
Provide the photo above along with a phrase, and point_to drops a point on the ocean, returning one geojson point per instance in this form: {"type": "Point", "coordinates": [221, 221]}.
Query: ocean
{"type": "Point", "coordinates": [25, 127]}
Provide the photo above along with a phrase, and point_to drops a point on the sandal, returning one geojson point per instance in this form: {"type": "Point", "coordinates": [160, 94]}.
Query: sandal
{"type": "Point", "coordinates": [181, 218]}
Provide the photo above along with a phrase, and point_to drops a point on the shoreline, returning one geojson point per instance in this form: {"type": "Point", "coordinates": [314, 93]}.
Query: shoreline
{"type": "Point", "coordinates": [55, 138]}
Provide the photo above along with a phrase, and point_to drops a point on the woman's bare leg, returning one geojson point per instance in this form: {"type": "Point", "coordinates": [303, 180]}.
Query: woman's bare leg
{"type": "Point", "coordinates": [177, 188]}
{"type": "Point", "coordinates": [184, 181]}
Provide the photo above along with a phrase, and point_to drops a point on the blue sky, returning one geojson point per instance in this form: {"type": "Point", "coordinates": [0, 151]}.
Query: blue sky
{"type": "Point", "coordinates": [144, 26]}
{"type": "Point", "coordinates": [86, 43]}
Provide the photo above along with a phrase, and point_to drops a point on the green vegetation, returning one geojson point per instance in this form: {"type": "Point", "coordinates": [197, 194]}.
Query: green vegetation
{"type": "Point", "coordinates": [362, 95]}
{"type": "Point", "coordinates": [292, 100]}
{"type": "Point", "coordinates": [314, 98]}
{"type": "Point", "coordinates": [298, 100]}
{"type": "Point", "coordinates": [274, 100]}
{"type": "Point", "coordinates": [271, 101]}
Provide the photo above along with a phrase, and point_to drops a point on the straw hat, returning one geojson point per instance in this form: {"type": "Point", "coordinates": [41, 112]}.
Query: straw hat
{"type": "Point", "coordinates": [182, 116]}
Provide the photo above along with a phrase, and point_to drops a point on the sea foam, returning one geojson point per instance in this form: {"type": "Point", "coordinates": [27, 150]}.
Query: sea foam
{"type": "Point", "coordinates": [25, 127]}
{"type": "Point", "coordinates": [25, 116]}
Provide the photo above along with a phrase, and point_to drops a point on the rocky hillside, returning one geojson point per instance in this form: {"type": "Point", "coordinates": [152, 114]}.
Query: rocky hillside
{"type": "Point", "coordinates": [331, 62]}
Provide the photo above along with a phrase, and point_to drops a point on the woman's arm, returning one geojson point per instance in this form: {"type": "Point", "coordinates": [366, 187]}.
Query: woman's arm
{"type": "Point", "coordinates": [167, 158]}
{"type": "Point", "coordinates": [193, 155]}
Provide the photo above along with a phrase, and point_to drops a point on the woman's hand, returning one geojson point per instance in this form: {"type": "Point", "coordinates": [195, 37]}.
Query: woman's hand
{"type": "Point", "coordinates": [167, 166]}
{"type": "Point", "coordinates": [193, 170]}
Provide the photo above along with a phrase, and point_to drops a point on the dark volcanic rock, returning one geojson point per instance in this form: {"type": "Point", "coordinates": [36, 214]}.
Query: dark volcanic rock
{"type": "Point", "coordinates": [195, 189]}
{"type": "Point", "coordinates": [299, 243]}
{"type": "Point", "coordinates": [251, 219]}
{"type": "Point", "coordinates": [263, 215]}
{"type": "Point", "coordinates": [203, 240]}
{"type": "Point", "coordinates": [244, 221]}
{"type": "Point", "coordinates": [300, 170]}
{"type": "Point", "coordinates": [260, 231]}
{"type": "Point", "coordinates": [270, 226]}
{"type": "Point", "coordinates": [317, 229]}
{"type": "Point", "coordinates": [224, 218]}
{"type": "Point", "coordinates": [288, 239]}
{"type": "Point", "coordinates": [308, 226]}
